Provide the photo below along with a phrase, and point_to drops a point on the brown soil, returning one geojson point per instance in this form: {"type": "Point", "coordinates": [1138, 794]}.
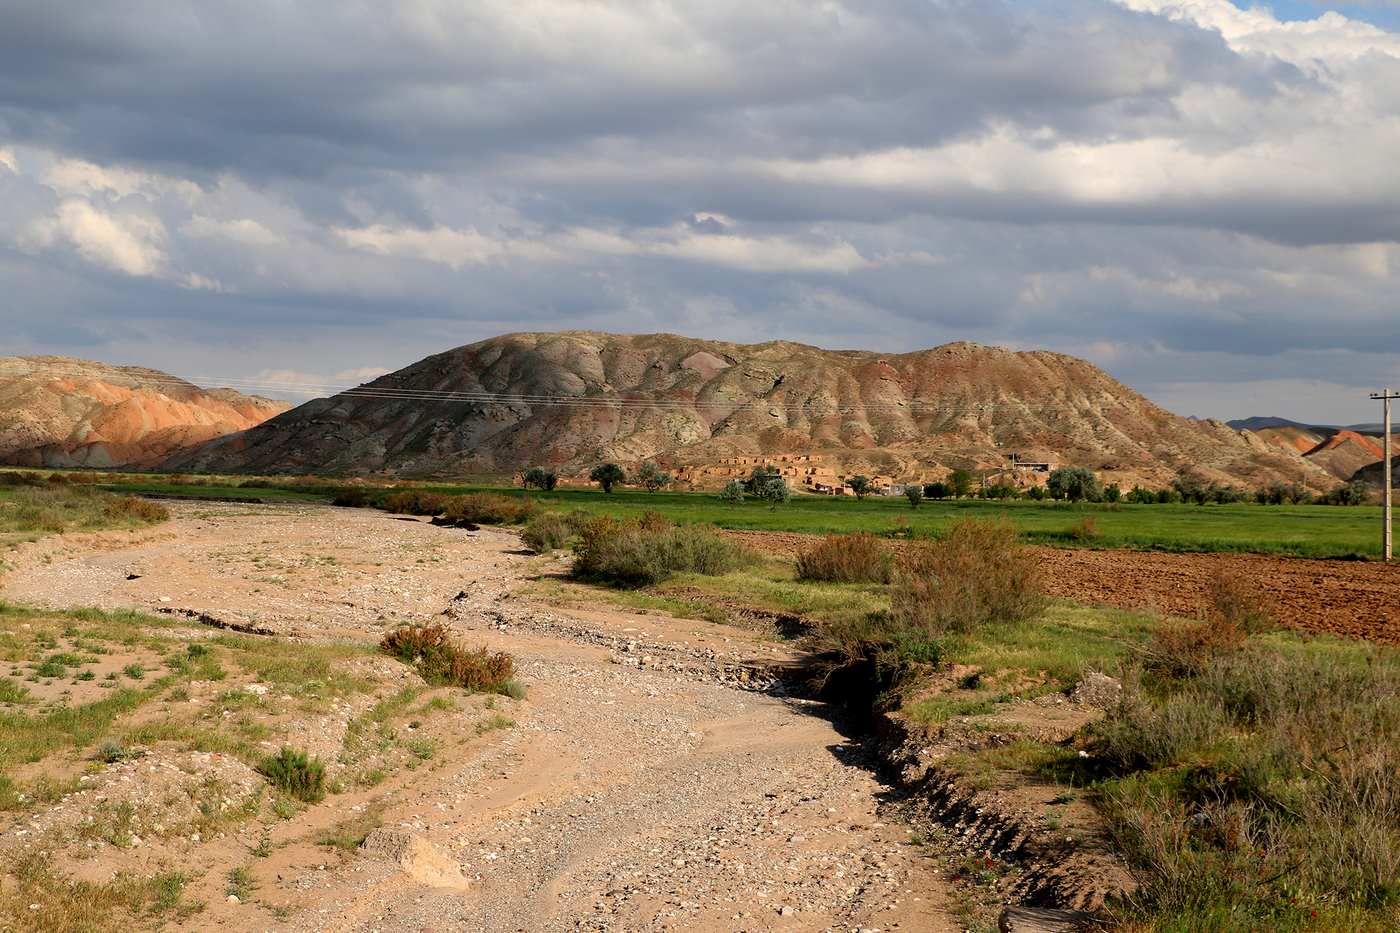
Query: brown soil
{"type": "Point", "coordinates": [1355, 599]}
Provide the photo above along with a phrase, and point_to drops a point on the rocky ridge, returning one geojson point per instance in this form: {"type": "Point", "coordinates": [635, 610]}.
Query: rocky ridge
{"type": "Point", "coordinates": [569, 400]}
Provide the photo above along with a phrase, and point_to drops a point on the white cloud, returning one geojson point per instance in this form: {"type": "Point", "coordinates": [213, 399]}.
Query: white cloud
{"type": "Point", "coordinates": [128, 243]}
{"type": "Point", "coordinates": [242, 231]}
{"type": "Point", "coordinates": [7, 159]}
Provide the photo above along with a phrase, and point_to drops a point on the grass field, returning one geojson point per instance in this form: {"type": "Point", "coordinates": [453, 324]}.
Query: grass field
{"type": "Point", "coordinates": [1301, 531]}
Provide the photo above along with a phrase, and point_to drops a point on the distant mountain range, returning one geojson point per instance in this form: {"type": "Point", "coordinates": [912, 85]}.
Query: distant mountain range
{"type": "Point", "coordinates": [1345, 452]}
{"type": "Point", "coordinates": [56, 411]}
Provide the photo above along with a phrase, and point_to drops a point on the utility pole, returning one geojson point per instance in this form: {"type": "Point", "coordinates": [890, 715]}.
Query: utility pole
{"type": "Point", "coordinates": [1385, 397]}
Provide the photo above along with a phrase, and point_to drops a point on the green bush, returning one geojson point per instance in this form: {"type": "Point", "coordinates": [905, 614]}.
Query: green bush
{"type": "Point", "coordinates": [853, 558]}
{"type": "Point", "coordinates": [640, 552]}
{"type": "Point", "coordinates": [295, 774]}
{"type": "Point", "coordinates": [546, 532]}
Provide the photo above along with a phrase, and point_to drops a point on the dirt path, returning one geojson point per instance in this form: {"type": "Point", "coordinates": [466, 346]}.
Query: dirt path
{"type": "Point", "coordinates": [638, 789]}
{"type": "Point", "coordinates": [1356, 599]}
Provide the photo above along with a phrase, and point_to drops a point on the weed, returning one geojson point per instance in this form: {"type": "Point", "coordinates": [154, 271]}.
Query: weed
{"type": "Point", "coordinates": [240, 883]}
{"type": "Point", "coordinates": [132, 508]}
{"type": "Point", "coordinates": [12, 692]}
{"type": "Point", "coordinates": [488, 509]}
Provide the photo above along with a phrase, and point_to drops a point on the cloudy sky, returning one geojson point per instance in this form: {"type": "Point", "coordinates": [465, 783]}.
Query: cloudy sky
{"type": "Point", "coordinates": [1201, 196]}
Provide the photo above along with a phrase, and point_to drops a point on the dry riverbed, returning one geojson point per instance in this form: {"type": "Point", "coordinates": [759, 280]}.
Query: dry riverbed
{"type": "Point", "coordinates": [652, 778]}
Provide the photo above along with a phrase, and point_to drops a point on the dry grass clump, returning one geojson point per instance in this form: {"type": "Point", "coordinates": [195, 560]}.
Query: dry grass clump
{"type": "Point", "coordinates": [442, 661]}
{"type": "Point", "coordinates": [853, 558]}
{"type": "Point", "coordinates": [488, 508]}
{"type": "Point", "coordinates": [414, 502]}
{"type": "Point", "coordinates": [1235, 609]}
{"type": "Point", "coordinates": [136, 509]}
{"type": "Point", "coordinates": [978, 573]}
{"type": "Point", "coordinates": [647, 550]}
{"type": "Point", "coordinates": [1233, 599]}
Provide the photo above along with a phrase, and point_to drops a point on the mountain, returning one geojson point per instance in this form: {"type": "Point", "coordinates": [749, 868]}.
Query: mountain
{"type": "Point", "coordinates": [570, 400]}
{"type": "Point", "coordinates": [65, 412]}
{"type": "Point", "coordinates": [1339, 451]}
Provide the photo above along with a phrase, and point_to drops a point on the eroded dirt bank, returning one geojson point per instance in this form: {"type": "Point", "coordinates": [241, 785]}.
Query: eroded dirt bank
{"type": "Point", "coordinates": [639, 788]}
{"type": "Point", "coordinates": [1356, 599]}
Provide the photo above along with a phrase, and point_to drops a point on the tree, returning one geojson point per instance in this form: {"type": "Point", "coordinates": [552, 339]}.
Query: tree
{"type": "Point", "coordinates": [774, 490]}
{"type": "Point", "coordinates": [652, 477]}
{"type": "Point", "coordinates": [1112, 493]}
{"type": "Point", "coordinates": [937, 491]}
{"type": "Point", "coordinates": [733, 493]}
{"type": "Point", "coordinates": [1191, 487]}
{"type": "Point", "coordinates": [1036, 493]}
{"type": "Point", "coordinates": [914, 492]}
{"type": "Point", "coordinates": [608, 475]}
{"type": "Point", "coordinates": [540, 478]}
{"type": "Point", "coordinates": [1140, 496]}
{"type": "Point", "coordinates": [1353, 493]}
{"type": "Point", "coordinates": [961, 483]}
{"type": "Point", "coordinates": [860, 485]}
{"type": "Point", "coordinates": [1074, 484]}
{"type": "Point", "coordinates": [759, 476]}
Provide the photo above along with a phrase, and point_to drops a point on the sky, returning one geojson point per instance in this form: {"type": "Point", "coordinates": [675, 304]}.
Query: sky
{"type": "Point", "coordinates": [1200, 196]}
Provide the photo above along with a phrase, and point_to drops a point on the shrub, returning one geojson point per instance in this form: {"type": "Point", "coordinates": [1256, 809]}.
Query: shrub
{"type": "Point", "coordinates": [853, 558]}
{"type": "Point", "coordinates": [1353, 493]}
{"type": "Point", "coordinates": [488, 509]}
{"type": "Point", "coordinates": [960, 482]}
{"type": "Point", "coordinates": [937, 491]}
{"type": "Point", "coordinates": [415, 502]}
{"type": "Point", "coordinates": [1140, 496]}
{"type": "Point", "coordinates": [978, 573]}
{"type": "Point", "coordinates": [1235, 600]}
{"type": "Point", "coordinates": [439, 660]}
{"type": "Point", "coordinates": [136, 509]}
{"type": "Point", "coordinates": [733, 493]}
{"type": "Point", "coordinates": [295, 774]}
{"type": "Point", "coordinates": [1113, 493]}
{"type": "Point", "coordinates": [1275, 801]}
{"type": "Point", "coordinates": [1086, 529]}
{"type": "Point", "coordinates": [643, 551]}
{"type": "Point", "coordinates": [915, 494]}
{"type": "Point", "coordinates": [1185, 649]}
{"type": "Point", "coordinates": [353, 497]}
{"type": "Point", "coordinates": [546, 532]}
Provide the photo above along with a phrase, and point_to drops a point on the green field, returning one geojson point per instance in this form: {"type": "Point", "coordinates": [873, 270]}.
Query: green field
{"type": "Point", "coordinates": [1303, 531]}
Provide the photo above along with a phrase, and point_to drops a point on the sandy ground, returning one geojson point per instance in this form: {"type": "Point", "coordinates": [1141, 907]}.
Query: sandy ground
{"type": "Point", "coordinates": [640, 789]}
{"type": "Point", "coordinates": [1356, 599]}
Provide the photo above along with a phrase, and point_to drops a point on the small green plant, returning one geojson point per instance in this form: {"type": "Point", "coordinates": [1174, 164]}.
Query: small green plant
{"type": "Point", "coordinates": [112, 751]}
{"type": "Point", "coordinates": [295, 774]}
{"type": "Point", "coordinates": [134, 670]}
{"type": "Point", "coordinates": [240, 883]}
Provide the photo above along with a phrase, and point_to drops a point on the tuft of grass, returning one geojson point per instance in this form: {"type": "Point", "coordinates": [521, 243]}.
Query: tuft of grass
{"type": "Point", "coordinates": [65, 905]}
{"type": "Point", "coordinates": [240, 883]}
{"type": "Point", "coordinates": [547, 532]}
{"type": "Point", "coordinates": [295, 774]}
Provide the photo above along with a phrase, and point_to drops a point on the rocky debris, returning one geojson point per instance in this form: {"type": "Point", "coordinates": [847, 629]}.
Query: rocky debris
{"type": "Point", "coordinates": [204, 618]}
{"type": "Point", "coordinates": [416, 857]}
{"type": "Point", "coordinates": [1098, 690]}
